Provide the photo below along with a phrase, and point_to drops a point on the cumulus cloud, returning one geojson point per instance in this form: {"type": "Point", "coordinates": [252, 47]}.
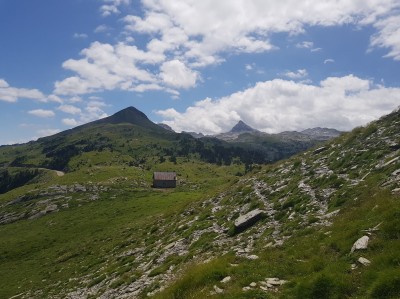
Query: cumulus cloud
{"type": "Point", "coordinates": [70, 122]}
{"type": "Point", "coordinates": [12, 94]}
{"type": "Point", "coordinates": [107, 67]}
{"type": "Point", "coordinates": [70, 109]}
{"type": "Point", "coordinates": [279, 105]}
{"type": "Point", "coordinates": [42, 113]}
{"type": "Point", "coordinates": [189, 35]}
{"type": "Point", "coordinates": [112, 7]}
{"type": "Point", "coordinates": [102, 28]}
{"type": "Point", "coordinates": [203, 30]}
{"type": "Point", "coordinates": [299, 74]}
{"type": "Point", "coordinates": [175, 73]}
{"type": "Point", "coordinates": [92, 111]}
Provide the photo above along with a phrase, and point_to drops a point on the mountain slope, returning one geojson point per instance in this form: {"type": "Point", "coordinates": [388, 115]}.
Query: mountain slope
{"type": "Point", "coordinates": [101, 231]}
{"type": "Point", "coordinates": [315, 206]}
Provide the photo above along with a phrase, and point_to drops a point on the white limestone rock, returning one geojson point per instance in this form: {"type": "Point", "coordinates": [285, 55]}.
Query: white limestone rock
{"type": "Point", "coordinates": [361, 243]}
{"type": "Point", "coordinates": [363, 261]}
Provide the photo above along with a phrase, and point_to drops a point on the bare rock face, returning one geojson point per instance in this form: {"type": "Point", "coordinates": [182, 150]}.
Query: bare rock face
{"type": "Point", "coordinates": [361, 243]}
{"type": "Point", "coordinates": [249, 219]}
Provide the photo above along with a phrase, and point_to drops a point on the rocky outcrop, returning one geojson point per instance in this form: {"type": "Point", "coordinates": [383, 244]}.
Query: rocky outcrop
{"type": "Point", "coordinates": [248, 220]}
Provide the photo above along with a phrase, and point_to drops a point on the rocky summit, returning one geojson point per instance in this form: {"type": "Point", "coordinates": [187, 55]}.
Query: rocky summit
{"type": "Point", "coordinates": [322, 224]}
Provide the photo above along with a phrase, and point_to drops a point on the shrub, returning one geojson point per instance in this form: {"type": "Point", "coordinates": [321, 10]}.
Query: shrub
{"type": "Point", "coordinates": [322, 287]}
{"type": "Point", "coordinates": [387, 285]}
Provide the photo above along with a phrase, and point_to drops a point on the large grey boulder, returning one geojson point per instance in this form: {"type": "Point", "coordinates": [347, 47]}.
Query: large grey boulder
{"type": "Point", "coordinates": [249, 219]}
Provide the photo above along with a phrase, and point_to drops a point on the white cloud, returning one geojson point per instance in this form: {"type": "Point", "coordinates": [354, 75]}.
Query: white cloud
{"type": "Point", "coordinates": [175, 74]}
{"type": "Point", "coordinates": [80, 35]}
{"type": "Point", "coordinates": [329, 60]}
{"type": "Point", "coordinates": [75, 99]}
{"type": "Point", "coordinates": [107, 67]}
{"type": "Point", "coordinates": [188, 35]}
{"type": "Point", "coordinates": [248, 67]}
{"type": "Point", "coordinates": [71, 122]}
{"type": "Point", "coordinates": [112, 7]}
{"type": "Point", "coordinates": [205, 29]}
{"type": "Point", "coordinates": [102, 28]}
{"type": "Point", "coordinates": [388, 36]}
{"type": "Point", "coordinates": [70, 109]}
{"type": "Point", "coordinates": [92, 111]}
{"type": "Point", "coordinates": [54, 98]}
{"type": "Point", "coordinates": [316, 49]}
{"type": "Point", "coordinates": [299, 74]}
{"type": "Point", "coordinates": [12, 94]}
{"type": "Point", "coordinates": [305, 45]}
{"type": "Point", "coordinates": [280, 105]}
{"type": "Point", "coordinates": [42, 113]}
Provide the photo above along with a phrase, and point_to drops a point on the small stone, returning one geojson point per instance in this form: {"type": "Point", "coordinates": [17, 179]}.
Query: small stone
{"type": "Point", "coordinates": [246, 289]}
{"type": "Point", "coordinates": [253, 284]}
{"type": "Point", "coordinates": [263, 288]}
{"type": "Point", "coordinates": [361, 243]}
{"type": "Point", "coordinates": [252, 257]}
{"type": "Point", "coordinates": [226, 279]}
{"type": "Point", "coordinates": [364, 261]}
{"type": "Point", "coordinates": [353, 266]}
{"type": "Point", "coordinates": [234, 265]}
{"type": "Point", "coordinates": [218, 290]}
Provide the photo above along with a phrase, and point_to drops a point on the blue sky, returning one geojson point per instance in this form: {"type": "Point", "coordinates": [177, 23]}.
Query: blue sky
{"type": "Point", "coordinates": [197, 65]}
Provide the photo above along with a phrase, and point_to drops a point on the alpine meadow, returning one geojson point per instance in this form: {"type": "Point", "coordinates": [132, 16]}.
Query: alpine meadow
{"type": "Point", "coordinates": [184, 149]}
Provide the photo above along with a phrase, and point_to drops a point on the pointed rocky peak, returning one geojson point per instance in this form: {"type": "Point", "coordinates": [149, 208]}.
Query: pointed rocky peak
{"type": "Point", "coordinates": [242, 127]}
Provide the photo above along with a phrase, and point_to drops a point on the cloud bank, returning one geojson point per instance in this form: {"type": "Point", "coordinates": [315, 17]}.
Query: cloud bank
{"type": "Point", "coordinates": [281, 105]}
{"type": "Point", "coordinates": [185, 36]}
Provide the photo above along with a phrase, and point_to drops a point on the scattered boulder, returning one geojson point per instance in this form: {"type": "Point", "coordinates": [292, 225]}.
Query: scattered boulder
{"type": "Point", "coordinates": [363, 261]}
{"type": "Point", "coordinates": [226, 279]}
{"type": "Point", "coordinates": [247, 220]}
{"type": "Point", "coordinates": [320, 150]}
{"type": "Point", "coordinates": [361, 243]}
{"type": "Point", "coordinates": [252, 257]}
{"type": "Point", "coordinates": [218, 290]}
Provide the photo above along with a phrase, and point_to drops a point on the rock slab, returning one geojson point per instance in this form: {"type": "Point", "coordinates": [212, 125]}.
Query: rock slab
{"type": "Point", "coordinates": [249, 219]}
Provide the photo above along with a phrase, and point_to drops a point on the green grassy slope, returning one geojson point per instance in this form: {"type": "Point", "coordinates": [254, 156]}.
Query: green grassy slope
{"type": "Point", "coordinates": [101, 231]}
{"type": "Point", "coordinates": [318, 205]}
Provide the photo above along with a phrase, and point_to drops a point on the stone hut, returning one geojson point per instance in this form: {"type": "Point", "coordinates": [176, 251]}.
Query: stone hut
{"type": "Point", "coordinates": [164, 179]}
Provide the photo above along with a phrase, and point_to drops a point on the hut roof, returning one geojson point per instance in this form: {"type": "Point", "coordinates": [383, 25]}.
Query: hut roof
{"type": "Point", "coordinates": [164, 176]}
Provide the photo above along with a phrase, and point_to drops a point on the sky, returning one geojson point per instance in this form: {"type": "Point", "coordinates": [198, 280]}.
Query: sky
{"type": "Point", "coordinates": [198, 66]}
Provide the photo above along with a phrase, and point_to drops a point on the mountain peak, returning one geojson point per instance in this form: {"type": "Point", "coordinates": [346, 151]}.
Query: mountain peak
{"type": "Point", "coordinates": [130, 115]}
{"type": "Point", "coordinates": [242, 127]}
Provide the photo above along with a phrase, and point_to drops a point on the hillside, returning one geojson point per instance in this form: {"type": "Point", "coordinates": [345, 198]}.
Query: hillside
{"type": "Point", "coordinates": [128, 138]}
{"type": "Point", "coordinates": [284, 230]}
